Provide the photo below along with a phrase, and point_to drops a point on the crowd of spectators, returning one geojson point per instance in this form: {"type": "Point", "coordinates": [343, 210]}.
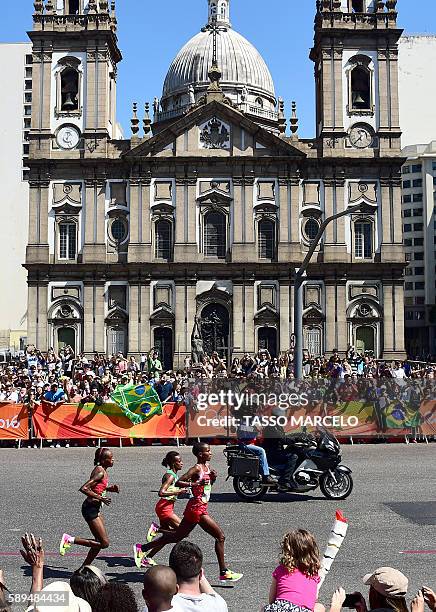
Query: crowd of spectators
{"type": "Point", "coordinates": [182, 586]}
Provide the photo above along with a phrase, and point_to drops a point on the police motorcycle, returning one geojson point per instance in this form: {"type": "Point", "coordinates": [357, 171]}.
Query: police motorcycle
{"type": "Point", "coordinates": [318, 465]}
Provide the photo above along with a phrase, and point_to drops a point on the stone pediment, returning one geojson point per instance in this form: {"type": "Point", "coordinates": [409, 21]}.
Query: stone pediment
{"type": "Point", "coordinates": [117, 314]}
{"type": "Point", "coordinates": [266, 314]}
{"type": "Point", "coordinates": [162, 315]}
{"type": "Point", "coordinates": [215, 122]}
{"type": "Point", "coordinates": [215, 196]}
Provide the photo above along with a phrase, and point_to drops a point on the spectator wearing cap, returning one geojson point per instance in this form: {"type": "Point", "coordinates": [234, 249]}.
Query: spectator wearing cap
{"type": "Point", "coordinates": [387, 591]}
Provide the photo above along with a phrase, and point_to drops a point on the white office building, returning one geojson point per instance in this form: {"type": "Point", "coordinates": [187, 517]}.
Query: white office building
{"type": "Point", "coordinates": [15, 115]}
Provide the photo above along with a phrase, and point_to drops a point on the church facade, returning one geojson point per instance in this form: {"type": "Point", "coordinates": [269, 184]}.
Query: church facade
{"type": "Point", "coordinates": [200, 219]}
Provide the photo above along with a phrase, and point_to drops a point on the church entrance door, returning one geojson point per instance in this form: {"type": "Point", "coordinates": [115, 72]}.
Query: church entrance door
{"type": "Point", "coordinates": [163, 342]}
{"type": "Point", "coordinates": [215, 330]}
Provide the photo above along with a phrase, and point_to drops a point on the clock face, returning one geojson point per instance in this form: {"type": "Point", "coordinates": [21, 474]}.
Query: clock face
{"type": "Point", "coordinates": [360, 137]}
{"type": "Point", "coordinates": [68, 137]}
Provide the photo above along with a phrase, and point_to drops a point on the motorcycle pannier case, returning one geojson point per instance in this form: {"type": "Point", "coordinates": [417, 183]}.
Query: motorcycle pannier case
{"type": "Point", "coordinates": [244, 466]}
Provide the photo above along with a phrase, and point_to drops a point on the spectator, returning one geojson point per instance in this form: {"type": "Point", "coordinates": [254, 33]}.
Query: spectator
{"type": "Point", "coordinates": [55, 395]}
{"type": "Point", "coordinates": [160, 586]}
{"type": "Point", "coordinates": [195, 593]}
{"type": "Point", "coordinates": [115, 597]}
{"type": "Point", "coordinates": [387, 591]}
{"type": "Point", "coordinates": [4, 605]}
{"type": "Point", "coordinates": [87, 582]}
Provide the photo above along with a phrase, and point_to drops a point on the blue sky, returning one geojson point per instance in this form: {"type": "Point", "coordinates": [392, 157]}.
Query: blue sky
{"type": "Point", "coordinates": [151, 33]}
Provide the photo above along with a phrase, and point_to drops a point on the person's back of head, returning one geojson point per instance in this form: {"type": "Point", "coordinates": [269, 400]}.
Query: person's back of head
{"type": "Point", "coordinates": [387, 589]}
{"type": "Point", "coordinates": [160, 586]}
{"type": "Point", "coordinates": [186, 559]}
{"type": "Point", "coordinates": [114, 597]}
{"type": "Point", "coordinates": [86, 583]}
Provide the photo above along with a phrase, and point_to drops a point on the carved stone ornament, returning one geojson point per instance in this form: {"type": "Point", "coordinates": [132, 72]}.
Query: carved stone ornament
{"type": "Point", "coordinates": [215, 134]}
{"type": "Point", "coordinates": [67, 194]}
{"type": "Point", "coordinates": [365, 191]}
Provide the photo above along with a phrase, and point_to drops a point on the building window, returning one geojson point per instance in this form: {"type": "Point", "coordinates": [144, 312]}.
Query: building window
{"type": "Point", "coordinates": [408, 256]}
{"type": "Point", "coordinates": [409, 315]}
{"type": "Point", "coordinates": [27, 124]}
{"type": "Point", "coordinates": [420, 299]}
{"type": "Point", "coordinates": [408, 286]}
{"type": "Point", "coordinates": [69, 90]}
{"type": "Point", "coordinates": [417, 168]}
{"type": "Point", "coordinates": [72, 7]}
{"type": "Point", "coordinates": [363, 240]}
{"type": "Point", "coordinates": [417, 197]}
{"type": "Point", "coordinates": [310, 228]}
{"type": "Point", "coordinates": [267, 239]}
{"type": "Point", "coordinates": [408, 242]}
{"type": "Point", "coordinates": [28, 84]}
{"type": "Point", "coordinates": [223, 10]}
{"type": "Point", "coordinates": [215, 235]}
{"type": "Point", "coordinates": [407, 227]}
{"type": "Point", "coordinates": [407, 213]}
{"type": "Point", "coordinates": [29, 59]}
{"type": "Point", "coordinates": [418, 256]}
{"type": "Point", "coordinates": [419, 286]}
{"type": "Point", "coordinates": [419, 271]}
{"type": "Point", "coordinates": [407, 199]}
{"type": "Point", "coordinates": [28, 111]}
{"type": "Point", "coordinates": [417, 183]}
{"type": "Point", "coordinates": [418, 242]}
{"type": "Point", "coordinates": [67, 241]}
{"type": "Point", "coordinates": [360, 88]}
{"type": "Point", "coordinates": [407, 184]}
{"type": "Point", "coordinates": [119, 230]}
{"type": "Point", "coordinates": [163, 248]}
{"type": "Point", "coordinates": [434, 166]}
{"type": "Point", "coordinates": [28, 97]}
{"type": "Point", "coordinates": [417, 212]}
{"type": "Point", "coordinates": [418, 227]}
{"type": "Point", "coordinates": [259, 102]}
{"type": "Point", "coordinates": [405, 170]}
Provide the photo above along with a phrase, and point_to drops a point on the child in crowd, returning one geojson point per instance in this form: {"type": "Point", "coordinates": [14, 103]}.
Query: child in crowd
{"type": "Point", "coordinates": [160, 586]}
{"type": "Point", "coordinates": [167, 497]}
{"type": "Point", "coordinates": [295, 581]}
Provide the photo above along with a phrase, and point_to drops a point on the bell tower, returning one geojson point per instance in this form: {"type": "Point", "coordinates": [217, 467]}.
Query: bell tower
{"type": "Point", "coordinates": [75, 56]}
{"type": "Point", "coordinates": [356, 73]}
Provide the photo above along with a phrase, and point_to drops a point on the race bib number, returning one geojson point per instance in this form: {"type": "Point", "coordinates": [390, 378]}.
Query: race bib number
{"type": "Point", "coordinates": [206, 493]}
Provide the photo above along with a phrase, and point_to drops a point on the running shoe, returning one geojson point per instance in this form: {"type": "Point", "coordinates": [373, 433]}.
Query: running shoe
{"type": "Point", "coordinates": [152, 532]}
{"type": "Point", "coordinates": [66, 543]}
{"type": "Point", "coordinates": [147, 561]}
{"type": "Point", "coordinates": [230, 576]}
{"type": "Point", "coordinates": [138, 555]}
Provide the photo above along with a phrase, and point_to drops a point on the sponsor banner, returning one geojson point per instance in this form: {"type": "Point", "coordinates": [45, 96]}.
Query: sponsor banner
{"type": "Point", "coordinates": [78, 421]}
{"type": "Point", "coordinates": [14, 422]}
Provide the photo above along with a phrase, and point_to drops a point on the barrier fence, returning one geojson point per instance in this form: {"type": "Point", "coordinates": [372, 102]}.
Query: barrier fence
{"type": "Point", "coordinates": [87, 421]}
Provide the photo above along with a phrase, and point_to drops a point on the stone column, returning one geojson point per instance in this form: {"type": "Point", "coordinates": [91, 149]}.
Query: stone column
{"type": "Point", "coordinates": [285, 332]}
{"type": "Point", "coordinates": [384, 93]}
{"type": "Point", "coordinates": [341, 316]}
{"type": "Point", "coordinates": [394, 90]}
{"type": "Point", "coordinates": [190, 235]}
{"type": "Point", "coordinates": [327, 89]}
{"type": "Point", "coordinates": [388, 319]}
{"type": "Point", "coordinates": [99, 315]}
{"type": "Point", "coordinates": [249, 219]}
{"type": "Point", "coordinates": [396, 219]}
{"type": "Point", "coordinates": [90, 91]}
{"type": "Point", "coordinates": [250, 341]}
{"type": "Point", "coordinates": [180, 211]}
{"type": "Point", "coordinates": [283, 211]}
{"type": "Point", "coordinates": [145, 340]}
{"type": "Point", "coordinates": [328, 211]}
{"type": "Point", "coordinates": [88, 216]}
{"type": "Point", "coordinates": [338, 93]}
{"type": "Point", "coordinates": [180, 323]}
{"type": "Point", "coordinates": [191, 308]}
{"type": "Point", "coordinates": [145, 234]}
{"type": "Point", "coordinates": [399, 318]}
{"type": "Point", "coordinates": [34, 213]}
{"type": "Point", "coordinates": [340, 206]}
{"type": "Point", "coordinates": [134, 316]}
{"type": "Point", "coordinates": [330, 323]}
{"type": "Point", "coordinates": [238, 339]}
{"type": "Point", "coordinates": [88, 317]}
{"type": "Point", "coordinates": [135, 223]}
{"type": "Point", "coordinates": [295, 210]}
{"type": "Point", "coordinates": [42, 316]}
{"type": "Point", "coordinates": [32, 313]}
{"type": "Point", "coordinates": [239, 205]}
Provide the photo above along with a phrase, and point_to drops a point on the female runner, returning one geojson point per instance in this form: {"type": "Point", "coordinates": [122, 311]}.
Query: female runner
{"type": "Point", "coordinates": [169, 521]}
{"type": "Point", "coordinates": [95, 490]}
{"type": "Point", "coordinates": [200, 478]}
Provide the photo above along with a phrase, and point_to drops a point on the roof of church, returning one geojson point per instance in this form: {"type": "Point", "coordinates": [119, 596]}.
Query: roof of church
{"type": "Point", "coordinates": [238, 60]}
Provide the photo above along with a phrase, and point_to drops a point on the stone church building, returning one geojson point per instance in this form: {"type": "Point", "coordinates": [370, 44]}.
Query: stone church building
{"type": "Point", "coordinates": [210, 206]}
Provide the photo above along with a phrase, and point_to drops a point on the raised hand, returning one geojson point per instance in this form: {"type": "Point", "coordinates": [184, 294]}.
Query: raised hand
{"type": "Point", "coordinates": [417, 604]}
{"type": "Point", "coordinates": [33, 552]}
{"type": "Point", "coordinates": [338, 599]}
{"type": "Point", "coordinates": [429, 597]}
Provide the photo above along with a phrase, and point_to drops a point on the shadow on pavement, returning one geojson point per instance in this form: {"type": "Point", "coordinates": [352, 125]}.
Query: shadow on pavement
{"type": "Point", "coordinates": [223, 498]}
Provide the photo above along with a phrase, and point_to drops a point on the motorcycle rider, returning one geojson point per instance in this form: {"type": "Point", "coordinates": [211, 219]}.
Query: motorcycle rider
{"type": "Point", "coordinates": [279, 447]}
{"type": "Point", "coordinates": [247, 435]}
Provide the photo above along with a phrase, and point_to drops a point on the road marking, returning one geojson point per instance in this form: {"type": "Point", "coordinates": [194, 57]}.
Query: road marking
{"type": "Point", "coordinates": [56, 554]}
{"type": "Point", "coordinates": [417, 552]}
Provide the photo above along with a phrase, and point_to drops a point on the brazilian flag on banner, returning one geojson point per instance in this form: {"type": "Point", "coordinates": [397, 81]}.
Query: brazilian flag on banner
{"type": "Point", "coordinates": [399, 416]}
{"type": "Point", "coordinates": [139, 403]}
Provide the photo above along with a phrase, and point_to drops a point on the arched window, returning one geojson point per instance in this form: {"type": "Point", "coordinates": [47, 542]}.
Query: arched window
{"type": "Point", "coordinates": [215, 235]}
{"type": "Point", "coordinates": [69, 90]}
{"type": "Point", "coordinates": [363, 240]}
{"type": "Point", "coordinates": [213, 9]}
{"type": "Point", "coordinates": [67, 240]}
{"type": "Point", "coordinates": [223, 10]}
{"type": "Point", "coordinates": [267, 239]}
{"type": "Point", "coordinates": [310, 228]}
{"type": "Point", "coordinates": [163, 242]}
{"type": "Point", "coordinates": [360, 88]}
{"type": "Point", "coordinates": [72, 7]}
{"type": "Point", "coordinates": [119, 230]}
{"type": "Point", "coordinates": [259, 102]}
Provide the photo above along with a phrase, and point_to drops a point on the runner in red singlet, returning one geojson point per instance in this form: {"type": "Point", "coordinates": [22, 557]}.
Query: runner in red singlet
{"type": "Point", "coordinates": [95, 490]}
{"type": "Point", "coordinates": [200, 478]}
{"type": "Point", "coordinates": [168, 493]}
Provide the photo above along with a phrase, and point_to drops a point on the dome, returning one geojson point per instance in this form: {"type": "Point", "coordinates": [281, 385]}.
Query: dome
{"type": "Point", "coordinates": [245, 79]}
{"type": "Point", "coordinates": [239, 61]}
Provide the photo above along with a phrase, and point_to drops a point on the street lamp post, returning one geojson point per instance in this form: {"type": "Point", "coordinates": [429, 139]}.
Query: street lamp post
{"type": "Point", "coordinates": [300, 274]}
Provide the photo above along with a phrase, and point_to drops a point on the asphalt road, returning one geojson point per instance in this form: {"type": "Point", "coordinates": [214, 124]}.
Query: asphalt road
{"type": "Point", "coordinates": [391, 510]}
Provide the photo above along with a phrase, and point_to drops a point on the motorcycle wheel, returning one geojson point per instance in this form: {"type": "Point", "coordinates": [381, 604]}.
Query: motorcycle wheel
{"type": "Point", "coordinates": [249, 489]}
{"type": "Point", "coordinates": [336, 490]}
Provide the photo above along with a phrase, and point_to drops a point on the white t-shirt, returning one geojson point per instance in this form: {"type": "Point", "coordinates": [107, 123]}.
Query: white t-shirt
{"type": "Point", "coordinates": [197, 603]}
{"type": "Point", "coordinates": [209, 602]}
